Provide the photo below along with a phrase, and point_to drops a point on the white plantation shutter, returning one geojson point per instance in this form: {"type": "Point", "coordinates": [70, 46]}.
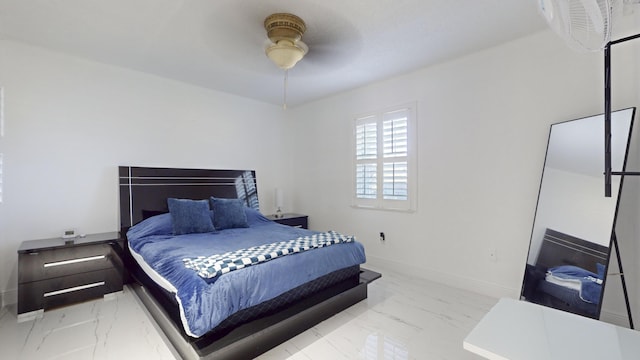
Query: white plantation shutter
{"type": "Point", "coordinates": [366, 138]}
{"type": "Point", "coordinates": [384, 159]}
{"type": "Point", "coordinates": [395, 179]}
{"type": "Point", "coordinates": [395, 134]}
{"type": "Point", "coordinates": [394, 143]}
{"type": "Point", "coordinates": [366, 181]}
{"type": "Point", "coordinates": [366, 158]}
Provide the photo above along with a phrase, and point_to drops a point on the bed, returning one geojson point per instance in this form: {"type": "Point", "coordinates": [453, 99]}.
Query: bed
{"type": "Point", "coordinates": [568, 274]}
{"type": "Point", "coordinates": [207, 312]}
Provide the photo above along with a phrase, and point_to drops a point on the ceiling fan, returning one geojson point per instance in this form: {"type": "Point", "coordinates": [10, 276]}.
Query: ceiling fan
{"type": "Point", "coordinates": [330, 47]}
{"type": "Point", "coordinates": [286, 48]}
{"type": "Point", "coordinates": [583, 24]}
{"type": "Point", "coordinates": [285, 33]}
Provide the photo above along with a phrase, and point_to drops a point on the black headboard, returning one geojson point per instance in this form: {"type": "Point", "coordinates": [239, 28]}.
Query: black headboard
{"type": "Point", "coordinates": [144, 190]}
{"type": "Point", "coordinates": [562, 249]}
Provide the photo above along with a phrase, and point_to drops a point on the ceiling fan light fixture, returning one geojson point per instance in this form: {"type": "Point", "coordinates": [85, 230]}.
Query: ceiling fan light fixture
{"type": "Point", "coordinates": [281, 26]}
{"type": "Point", "coordinates": [285, 54]}
{"type": "Point", "coordinates": [285, 31]}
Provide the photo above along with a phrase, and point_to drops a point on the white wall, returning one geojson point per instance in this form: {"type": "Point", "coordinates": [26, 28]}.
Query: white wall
{"type": "Point", "coordinates": [70, 123]}
{"type": "Point", "coordinates": [574, 204]}
{"type": "Point", "coordinates": [483, 122]}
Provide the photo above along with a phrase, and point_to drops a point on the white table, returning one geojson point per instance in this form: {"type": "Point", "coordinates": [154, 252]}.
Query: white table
{"type": "Point", "coordinates": [518, 330]}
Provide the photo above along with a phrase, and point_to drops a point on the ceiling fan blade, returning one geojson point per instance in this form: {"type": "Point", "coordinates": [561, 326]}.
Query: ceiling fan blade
{"type": "Point", "coordinates": [335, 45]}
{"type": "Point", "coordinates": [329, 56]}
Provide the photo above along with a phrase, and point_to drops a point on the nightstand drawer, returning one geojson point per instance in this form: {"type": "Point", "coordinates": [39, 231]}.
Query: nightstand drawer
{"type": "Point", "coordinates": [295, 220]}
{"type": "Point", "coordinates": [59, 291]}
{"type": "Point", "coordinates": [300, 222]}
{"type": "Point", "coordinates": [46, 264]}
{"type": "Point", "coordinates": [55, 272]}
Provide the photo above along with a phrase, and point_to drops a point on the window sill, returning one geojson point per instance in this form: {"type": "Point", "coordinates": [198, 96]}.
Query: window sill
{"type": "Point", "coordinates": [363, 207]}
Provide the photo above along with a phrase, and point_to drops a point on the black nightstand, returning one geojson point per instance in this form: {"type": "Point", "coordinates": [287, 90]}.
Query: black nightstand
{"type": "Point", "coordinates": [296, 220]}
{"type": "Point", "coordinates": [52, 272]}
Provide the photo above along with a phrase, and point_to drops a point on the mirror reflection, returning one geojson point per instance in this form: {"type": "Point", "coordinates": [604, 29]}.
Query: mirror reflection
{"type": "Point", "coordinates": [574, 221]}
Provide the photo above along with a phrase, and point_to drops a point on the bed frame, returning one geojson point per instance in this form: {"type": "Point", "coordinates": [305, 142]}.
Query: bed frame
{"type": "Point", "coordinates": [562, 249]}
{"type": "Point", "coordinates": [143, 193]}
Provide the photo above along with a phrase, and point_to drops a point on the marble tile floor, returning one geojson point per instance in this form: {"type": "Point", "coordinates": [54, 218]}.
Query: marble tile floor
{"type": "Point", "coordinates": [115, 327]}
{"type": "Point", "coordinates": [403, 318]}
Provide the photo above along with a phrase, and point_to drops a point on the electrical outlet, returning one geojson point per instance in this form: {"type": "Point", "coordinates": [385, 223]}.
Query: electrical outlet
{"type": "Point", "coordinates": [382, 237]}
{"type": "Point", "coordinates": [493, 255]}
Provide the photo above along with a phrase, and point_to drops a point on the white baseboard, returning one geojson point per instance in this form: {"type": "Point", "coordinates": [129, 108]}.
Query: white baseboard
{"type": "Point", "coordinates": [474, 285]}
{"type": "Point", "coordinates": [8, 297]}
{"type": "Point", "coordinates": [32, 315]}
{"type": "Point", "coordinates": [614, 318]}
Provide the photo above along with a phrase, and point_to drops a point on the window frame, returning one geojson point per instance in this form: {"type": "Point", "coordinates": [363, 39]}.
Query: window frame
{"type": "Point", "coordinates": [379, 202]}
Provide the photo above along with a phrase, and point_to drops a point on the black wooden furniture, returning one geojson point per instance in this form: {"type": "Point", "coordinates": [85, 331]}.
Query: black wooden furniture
{"type": "Point", "coordinates": [55, 272]}
{"type": "Point", "coordinates": [144, 192]}
{"type": "Point", "coordinates": [295, 220]}
{"type": "Point", "coordinates": [563, 249]}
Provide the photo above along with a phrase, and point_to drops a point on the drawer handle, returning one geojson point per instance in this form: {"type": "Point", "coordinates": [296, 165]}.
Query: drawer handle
{"type": "Point", "coordinates": [74, 261]}
{"type": "Point", "coordinates": [75, 288]}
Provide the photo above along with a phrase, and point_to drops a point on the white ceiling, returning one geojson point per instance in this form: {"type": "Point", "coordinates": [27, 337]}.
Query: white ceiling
{"type": "Point", "coordinates": [219, 44]}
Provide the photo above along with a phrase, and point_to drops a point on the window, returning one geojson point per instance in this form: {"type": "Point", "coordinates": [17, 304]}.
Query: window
{"type": "Point", "coordinates": [246, 189]}
{"type": "Point", "coordinates": [384, 154]}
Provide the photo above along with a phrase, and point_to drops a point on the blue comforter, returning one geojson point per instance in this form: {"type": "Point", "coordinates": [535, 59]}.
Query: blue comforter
{"type": "Point", "coordinates": [206, 303]}
{"type": "Point", "coordinates": [590, 283]}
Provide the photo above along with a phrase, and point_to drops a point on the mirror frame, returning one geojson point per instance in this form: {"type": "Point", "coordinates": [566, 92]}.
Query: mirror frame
{"type": "Point", "coordinates": [615, 210]}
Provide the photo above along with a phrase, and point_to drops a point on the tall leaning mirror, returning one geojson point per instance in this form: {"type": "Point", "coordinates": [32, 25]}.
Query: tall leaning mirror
{"type": "Point", "coordinates": [574, 222]}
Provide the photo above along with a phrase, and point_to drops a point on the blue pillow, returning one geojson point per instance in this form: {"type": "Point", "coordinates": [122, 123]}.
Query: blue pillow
{"type": "Point", "coordinates": [254, 217]}
{"type": "Point", "coordinates": [155, 225]}
{"type": "Point", "coordinates": [190, 216]}
{"type": "Point", "coordinates": [228, 213]}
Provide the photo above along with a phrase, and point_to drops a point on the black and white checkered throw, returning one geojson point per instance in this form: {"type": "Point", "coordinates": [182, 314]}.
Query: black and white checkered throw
{"type": "Point", "coordinates": [211, 266]}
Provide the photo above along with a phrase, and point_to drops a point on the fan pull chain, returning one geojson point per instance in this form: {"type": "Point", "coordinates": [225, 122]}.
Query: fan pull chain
{"type": "Point", "coordinates": [286, 78]}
